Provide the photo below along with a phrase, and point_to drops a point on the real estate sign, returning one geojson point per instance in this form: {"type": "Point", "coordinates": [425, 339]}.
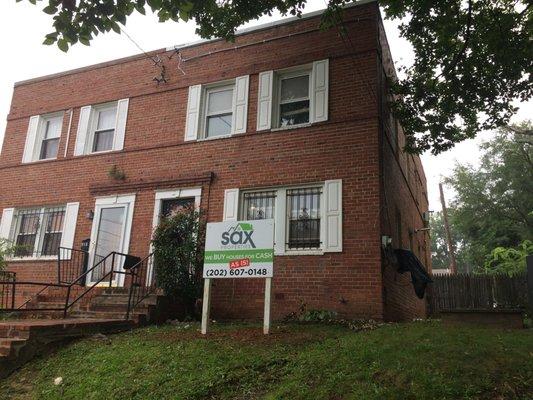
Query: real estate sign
{"type": "Point", "coordinates": [239, 249]}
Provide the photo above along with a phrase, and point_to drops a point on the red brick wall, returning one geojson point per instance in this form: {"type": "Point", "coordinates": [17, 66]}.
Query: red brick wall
{"type": "Point", "coordinates": [345, 147]}
{"type": "Point", "coordinates": [403, 201]}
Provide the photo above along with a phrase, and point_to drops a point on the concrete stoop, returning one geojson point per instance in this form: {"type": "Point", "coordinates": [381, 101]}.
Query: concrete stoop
{"type": "Point", "coordinates": [38, 331]}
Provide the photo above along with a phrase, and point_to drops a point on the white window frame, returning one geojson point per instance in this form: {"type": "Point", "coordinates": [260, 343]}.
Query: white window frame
{"type": "Point", "coordinates": [95, 113]}
{"type": "Point", "coordinates": [204, 101]}
{"type": "Point", "coordinates": [41, 132]}
{"type": "Point", "coordinates": [279, 77]}
{"type": "Point", "coordinates": [281, 226]}
{"type": "Point", "coordinates": [39, 236]}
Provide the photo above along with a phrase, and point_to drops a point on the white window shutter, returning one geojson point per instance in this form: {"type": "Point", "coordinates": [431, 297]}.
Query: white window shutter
{"type": "Point", "coordinates": [320, 89]}
{"type": "Point", "coordinates": [83, 130]}
{"type": "Point", "coordinates": [69, 227]}
{"type": "Point", "coordinates": [193, 113]}
{"type": "Point", "coordinates": [5, 223]}
{"type": "Point", "coordinates": [264, 100]}
{"type": "Point", "coordinates": [120, 127]}
{"type": "Point", "coordinates": [333, 215]}
{"type": "Point", "coordinates": [231, 205]}
{"type": "Point", "coordinates": [240, 104]}
{"type": "Point", "coordinates": [31, 138]}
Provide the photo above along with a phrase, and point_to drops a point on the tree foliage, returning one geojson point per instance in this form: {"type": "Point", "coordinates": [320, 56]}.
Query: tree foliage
{"type": "Point", "coordinates": [472, 58]}
{"type": "Point", "coordinates": [510, 261]}
{"type": "Point", "coordinates": [179, 249]}
{"type": "Point", "coordinates": [493, 206]}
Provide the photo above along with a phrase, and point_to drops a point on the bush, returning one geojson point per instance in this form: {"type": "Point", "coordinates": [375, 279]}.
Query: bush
{"type": "Point", "coordinates": [179, 242]}
{"type": "Point", "coordinates": [6, 250]}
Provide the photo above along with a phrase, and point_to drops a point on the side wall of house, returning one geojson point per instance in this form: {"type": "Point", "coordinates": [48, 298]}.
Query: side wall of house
{"type": "Point", "coordinates": [403, 202]}
{"type": "Point", "coordinates": [156, 157]}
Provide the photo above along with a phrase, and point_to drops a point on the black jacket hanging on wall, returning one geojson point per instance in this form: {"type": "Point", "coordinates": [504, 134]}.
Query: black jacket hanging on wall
{"type": "Point", "coordinates": [407, 261]}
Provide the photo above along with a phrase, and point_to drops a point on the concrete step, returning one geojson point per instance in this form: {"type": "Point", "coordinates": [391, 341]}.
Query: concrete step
{"type": "Point", "coordinates": [136, 317]}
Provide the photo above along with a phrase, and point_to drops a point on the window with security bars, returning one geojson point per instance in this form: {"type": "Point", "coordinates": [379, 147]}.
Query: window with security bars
{"type": "Point", "coordinates": [303, 218]}
{"type": "Point", "coordinates": [259, 205]}
{"type": "Point", "coordinates": [38, 231]}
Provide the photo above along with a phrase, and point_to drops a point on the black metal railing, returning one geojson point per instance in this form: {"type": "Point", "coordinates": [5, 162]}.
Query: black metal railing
{"type": "Point", "coordinates": [71, 264]}
{"type": "Point", "coordinates": [7, 289]}
{"type": "Point", "coordinates": [108, 269]}
{"type": "Point", "coordinates": [143, 282]}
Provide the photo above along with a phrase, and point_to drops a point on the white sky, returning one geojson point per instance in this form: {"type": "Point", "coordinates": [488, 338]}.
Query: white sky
{"type": "Point", "coordinates": [23, 27]}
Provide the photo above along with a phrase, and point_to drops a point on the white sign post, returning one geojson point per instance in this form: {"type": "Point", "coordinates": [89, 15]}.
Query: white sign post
{"type": "Point", "coordinates": [238, 249]}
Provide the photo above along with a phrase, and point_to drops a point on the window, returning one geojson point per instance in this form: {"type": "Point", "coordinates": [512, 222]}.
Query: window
{"type": "Point", "coordinates": [104, 128]}
{"type": "Point", "coordinates": [218, 111]}
{"type": "Point", "coordinates": [293, 97]}
{"type": "Point", "coordinates": [298, 214]}
{"type": "Point", "coordinates": [293, 100]}
{"type": "Point", "coordinates": [303, 218]}
{"type": "Point", "coordinates": [50, 133]}
{"type": "Point", "coordinates": [259, 205]}
{"type": "Point", "coordinates": [38, 231]}
{"type": "Point", "coordinates": [101, 128]}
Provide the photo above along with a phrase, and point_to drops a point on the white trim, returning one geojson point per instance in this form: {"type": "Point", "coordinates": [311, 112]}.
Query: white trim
{"type": "Point", "coordinates": [71, 111]}
{"type": "Point", "coordinates": [205, 114]}
{"type": "Point", "coordinates": [127, 201]}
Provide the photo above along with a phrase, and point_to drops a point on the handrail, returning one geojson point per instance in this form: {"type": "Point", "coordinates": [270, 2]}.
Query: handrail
{"type": "Point", "coordinates": [136, 282]}
{"type": "Point", "coordinates": [70, 262]}
{"type": "Point", "coordinates": [109, 273]}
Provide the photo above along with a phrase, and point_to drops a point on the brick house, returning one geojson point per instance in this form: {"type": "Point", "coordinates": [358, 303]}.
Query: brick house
{"type": "Point", "coordinates": [288, 122]}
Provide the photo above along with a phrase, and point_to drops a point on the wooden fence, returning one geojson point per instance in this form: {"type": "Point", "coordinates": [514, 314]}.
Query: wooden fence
{"type": "Point", "coordinates": [477, 292]}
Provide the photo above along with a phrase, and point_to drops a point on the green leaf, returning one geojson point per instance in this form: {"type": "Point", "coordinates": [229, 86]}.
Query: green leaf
{"type": "Point", "coordinates": [51, 10]}
{"type": "Point", "coordinates": [115, 27]}
{"type": "Point", "coordinates": [49, 41]}
{"type": "Point", "coordinates": [85, 41]}
{"type": "Point", "coordinates": [63, 45]}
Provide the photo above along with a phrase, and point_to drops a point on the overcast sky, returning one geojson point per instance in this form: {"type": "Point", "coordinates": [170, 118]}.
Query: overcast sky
{"type": "Point", "coordinates": [22, 30]}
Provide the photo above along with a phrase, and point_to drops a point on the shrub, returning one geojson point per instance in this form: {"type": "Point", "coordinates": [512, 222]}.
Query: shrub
{"type": "Point", "coordinates": [179, 250]}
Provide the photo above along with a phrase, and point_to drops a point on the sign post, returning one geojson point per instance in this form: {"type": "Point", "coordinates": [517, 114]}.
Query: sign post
{"type": "Point", "coordinates": [238, 249]}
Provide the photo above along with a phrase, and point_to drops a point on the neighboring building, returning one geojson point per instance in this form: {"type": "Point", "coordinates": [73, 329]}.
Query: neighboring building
{"type": "Point", "coordinates": [288, 122]}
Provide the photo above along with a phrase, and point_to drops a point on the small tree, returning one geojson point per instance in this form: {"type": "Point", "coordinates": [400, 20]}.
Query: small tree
{"type": "Point", "coordinates": [179, 250]}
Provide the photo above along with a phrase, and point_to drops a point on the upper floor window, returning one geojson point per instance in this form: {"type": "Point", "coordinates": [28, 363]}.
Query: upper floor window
{"type": "Point", "coordinates": [294, 96]}
{"type": "Point", "coordinates": [51, 132]}
{"type": "Point", "coordinates": [105, 119]}
{"type": "Point", "coordinates": [42, 139]}
{"type": "Point", "coordinates": [217, 110]}
{"type": "Point", "coordinates": [102, 128]}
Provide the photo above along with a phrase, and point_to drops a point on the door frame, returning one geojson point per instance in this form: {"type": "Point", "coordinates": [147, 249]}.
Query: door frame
{"type": "Point", "coordinates": [127, 201]}
{"type": "Point", "coordinates": [169, 194]}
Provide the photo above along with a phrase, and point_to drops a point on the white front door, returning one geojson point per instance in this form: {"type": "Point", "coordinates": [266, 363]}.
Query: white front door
{"type": "Point", "coordinates": [110, 233]}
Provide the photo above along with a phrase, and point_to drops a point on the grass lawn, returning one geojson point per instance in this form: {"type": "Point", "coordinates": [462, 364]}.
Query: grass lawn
{"type": "Point", "coordinates": [422, 360]}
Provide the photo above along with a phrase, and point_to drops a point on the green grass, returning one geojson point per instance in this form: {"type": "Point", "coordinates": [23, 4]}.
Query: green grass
{"type": "Point", "coordinates": [407, 361]}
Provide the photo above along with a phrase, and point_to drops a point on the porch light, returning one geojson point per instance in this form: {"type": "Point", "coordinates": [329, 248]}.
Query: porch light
{"type": "Point", "coordinates": [90, 215]}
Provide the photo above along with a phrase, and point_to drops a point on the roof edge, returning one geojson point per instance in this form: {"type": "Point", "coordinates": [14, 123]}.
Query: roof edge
{"type": "Point", "coordinates": [239, 32]}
